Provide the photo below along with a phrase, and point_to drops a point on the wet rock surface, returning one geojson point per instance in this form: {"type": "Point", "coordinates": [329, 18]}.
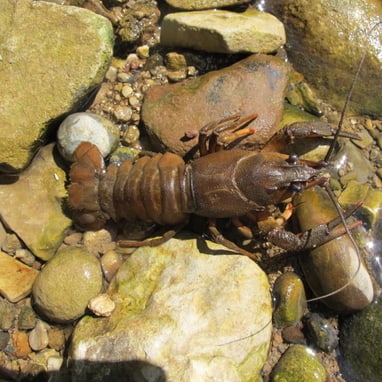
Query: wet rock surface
{"type": "Point", "coordinates": [140, 63]}
{"type": "Point", "coordinates": [190, 105]}
{"type": "Point", "coordinates": [361, 342]}
{"type": "Point", "coordinates": [200, 328]}
{"type": "Point", "coordinates": [30, 50]}
{"type": "Point", "coordinates": [299, 364]}
{"type": "Point", "coordinates": [328, 61]}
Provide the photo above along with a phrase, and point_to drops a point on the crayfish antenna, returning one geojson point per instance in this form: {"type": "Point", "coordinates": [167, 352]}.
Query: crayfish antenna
{"type": "Point", "coordinates": [84, 176]}
{"type": "Point", "coordinates": [348, 98]}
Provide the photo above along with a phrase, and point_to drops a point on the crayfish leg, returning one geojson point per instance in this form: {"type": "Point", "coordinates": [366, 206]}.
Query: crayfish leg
{"type": "Point", "coordinates": [219, 238]}
{"type": "Point", "coordinates": [152, 242]}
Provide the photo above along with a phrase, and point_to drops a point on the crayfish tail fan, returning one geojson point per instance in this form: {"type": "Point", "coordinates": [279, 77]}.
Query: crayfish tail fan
{"type": "Point", "coordinates": [85, 175]}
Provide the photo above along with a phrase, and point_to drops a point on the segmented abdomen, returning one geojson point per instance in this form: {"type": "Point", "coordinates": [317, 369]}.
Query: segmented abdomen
{"type": "Point", "coordinates": [150, 189]}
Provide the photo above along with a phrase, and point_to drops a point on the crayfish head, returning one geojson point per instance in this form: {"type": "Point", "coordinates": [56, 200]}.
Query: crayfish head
{"type": "Point", "coordinates": [270, 178]}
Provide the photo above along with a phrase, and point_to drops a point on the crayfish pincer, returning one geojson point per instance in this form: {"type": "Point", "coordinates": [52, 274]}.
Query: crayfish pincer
{"type": "Point", "coordinates": [164, 189]}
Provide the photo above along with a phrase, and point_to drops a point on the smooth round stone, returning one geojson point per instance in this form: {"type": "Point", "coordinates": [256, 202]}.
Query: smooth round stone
{"type": "Point", "coordinates": [82, 127]}
{"type": "Point", "coordinates": [64, 287]}
{"type": "Point", "coordinates": [289, 295]}
{"type": "Point", "coordinates": [297, 364]}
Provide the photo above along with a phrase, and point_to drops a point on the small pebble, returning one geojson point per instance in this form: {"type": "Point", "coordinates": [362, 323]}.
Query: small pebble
{"type": "Point", "coordinates": [122, 113]}
{"type": "Point", "coordinates": [54, 363]}
{"type": "Point", "coordinates": [25, 256]}
{"type": "Point", "coordinates": [7, 314]}
{"type": "Point", "coordinates": [322, 332]}
{"type": "Point", "coordinates": [143, 51]}
{"type": "Point", "coordinates": [4, 339]}
{"type": "Point", "coordinates": [27, 318]}
{"type": "Point", "coordinates": [38, 337]}
{"type": "Point", "coordinates": [131, 135]}
{"type": "Point", "coordinates": [124, 77]}
{"type": "Point", "coordinates": [21, 344]}
{"type": "Point", "coordinates": [127, 91]}
{"type": "Point", "coordinates": [73, 239]}
{"type": "Point", "coordinates": [11, 243]}
{"type": "Point", "coordinates": [90, 127]}
{"type": "Point", "coordinates": [111, 74]}
{"type": "Point", "coordinates": [56, 338]}
{"type": "Point", "coordinates": [97, 242]}
{"type": "Point", "coordinates": [110, 263]}
{"type": "Point", "coordinates": [102, 305]}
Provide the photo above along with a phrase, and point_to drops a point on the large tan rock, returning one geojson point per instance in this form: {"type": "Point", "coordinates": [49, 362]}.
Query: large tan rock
{"type": "Point", "coordinates": [180, 314]}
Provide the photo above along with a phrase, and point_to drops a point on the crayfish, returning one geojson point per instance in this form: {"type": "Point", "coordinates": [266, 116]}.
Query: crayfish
{"type": "Point", "coordinates": [221, 183]}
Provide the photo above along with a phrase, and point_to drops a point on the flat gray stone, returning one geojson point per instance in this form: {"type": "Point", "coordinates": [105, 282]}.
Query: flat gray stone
{"type": "Point", "coordinates": [223, 32]}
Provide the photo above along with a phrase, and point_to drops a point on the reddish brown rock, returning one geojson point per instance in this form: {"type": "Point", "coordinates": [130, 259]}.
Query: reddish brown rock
{"type": "Point", "coordinates": [253, 85]}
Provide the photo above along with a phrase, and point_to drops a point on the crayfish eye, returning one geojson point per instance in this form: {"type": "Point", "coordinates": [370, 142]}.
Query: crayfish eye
{"type": "Point", "coordinates": [293, 158]}
{"type": "Point", "coordinates": [296, 187]}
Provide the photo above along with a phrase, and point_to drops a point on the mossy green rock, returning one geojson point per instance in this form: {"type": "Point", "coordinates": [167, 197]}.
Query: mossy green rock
{"type": "Point", "coordinates": [371, 200]}
{"type": "Point", "coordinates": [64, 287]}
{"type": "Point", "coordinates": [326, 39]}
{"type": "Point", "coordinates": [299, 364]}
{"type": "Point", "coordinates": [187, 315]}
{"type": "Point", "coordinates": [31, 204]}
{"type": "Point", "coordinates": [51, 57]}
{"type": "Point", "coordinates": [361, 344]}
{"type": "Point", "coordinates": [290, 299]}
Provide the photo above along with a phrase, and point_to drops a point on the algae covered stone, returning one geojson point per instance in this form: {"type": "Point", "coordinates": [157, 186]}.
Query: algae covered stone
{"type": "Point", "coordinates": [361, 343]}
{"type": "Point", "coordinates": [66, 284]}
{"type": "Point", "coordinates": [51, 57]}
{"type": "Point", "coordinates": [32, 206]}
{"type": "Point", "coordinates": [290, 299]}
{"type": "Point", "coordinates": [191, 316]}
{"type": "Point", "coordinates": [298, 364]}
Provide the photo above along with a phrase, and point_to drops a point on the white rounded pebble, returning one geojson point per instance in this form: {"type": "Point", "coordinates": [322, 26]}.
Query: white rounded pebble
{"type": "Point", "coordinates": [82, 127]}
{"type": "Point", "coordinates": [102, 305]}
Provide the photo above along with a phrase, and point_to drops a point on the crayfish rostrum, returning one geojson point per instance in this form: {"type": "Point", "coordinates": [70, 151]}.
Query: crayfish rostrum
{"type": "Point", "coordinates": [221, 183]}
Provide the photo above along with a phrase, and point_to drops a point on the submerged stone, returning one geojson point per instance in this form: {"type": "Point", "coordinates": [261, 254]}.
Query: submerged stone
{"type": "Point", "coordinates": [290, 300]}
{"type": "Point", "coordinates": [326, 39]}
{"type": "Point", "coordinates": [297, 364]}
{"type": "Point", "coordinates": [181, 315]}
{"type": "Point", "coordinates": [361, 344]}
{"type": "Point", "coordinates": [333, 268]}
